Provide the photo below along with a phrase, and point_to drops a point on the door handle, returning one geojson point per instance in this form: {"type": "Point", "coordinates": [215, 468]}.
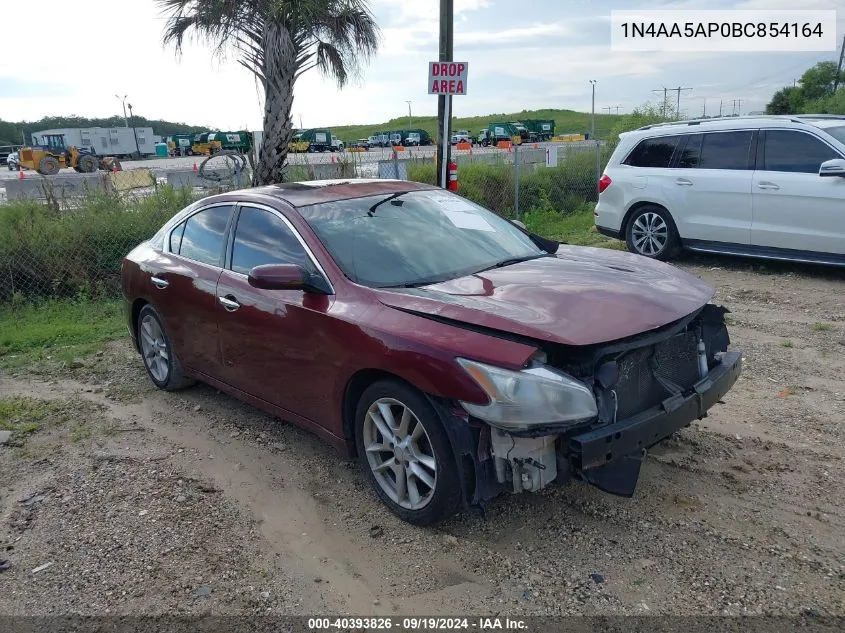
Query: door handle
{"type": "Point", "coordinates": [767, 185]}
{"type": "Point", "coordinates": [230, 304]}
{"type": "Point", "coordinates": [683, 182]}
{"type": "Point", "coordinates": [160, 283]}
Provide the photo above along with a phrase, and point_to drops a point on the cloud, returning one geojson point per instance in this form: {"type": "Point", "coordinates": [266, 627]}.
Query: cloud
{"type": "Point", "coordinates": [537, 53]}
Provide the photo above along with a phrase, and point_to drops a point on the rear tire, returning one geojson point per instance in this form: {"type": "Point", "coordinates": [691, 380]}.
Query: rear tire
{"type": "Point", "coordinates": [160, 359]}
{"type": "Point", "coordinates": [651, 232]}
{"type": "Point", "coordinates": [410, 463]}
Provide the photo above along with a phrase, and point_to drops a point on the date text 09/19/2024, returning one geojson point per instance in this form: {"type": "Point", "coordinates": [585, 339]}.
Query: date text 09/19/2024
{"type": "Point", "coordinates": [351, 624]}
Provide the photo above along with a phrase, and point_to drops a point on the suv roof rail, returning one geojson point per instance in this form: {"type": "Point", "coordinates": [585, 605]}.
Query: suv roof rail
{"type": "Point", "coordinates": [745, 117]}
{"type": "Point", "coordinates": [819, 116]}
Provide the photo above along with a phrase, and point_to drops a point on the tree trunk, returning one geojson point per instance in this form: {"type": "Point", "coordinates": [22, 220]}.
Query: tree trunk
{"type": "Point", "coordinates": [279, 73]}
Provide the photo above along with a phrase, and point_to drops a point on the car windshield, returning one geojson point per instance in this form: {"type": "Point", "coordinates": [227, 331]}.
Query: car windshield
{"type": "Point", "coordinates": [837, 132]}
{"type": "Point", "coordinates": [415, 238]}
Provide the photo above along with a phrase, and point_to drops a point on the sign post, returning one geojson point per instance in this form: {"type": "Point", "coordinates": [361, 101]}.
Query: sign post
{"type": "Point", "coordinates": [447, 79]}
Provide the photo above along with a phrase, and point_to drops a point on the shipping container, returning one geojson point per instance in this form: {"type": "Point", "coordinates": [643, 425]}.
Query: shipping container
{"type": "Point", "coordinates": [113, 141]}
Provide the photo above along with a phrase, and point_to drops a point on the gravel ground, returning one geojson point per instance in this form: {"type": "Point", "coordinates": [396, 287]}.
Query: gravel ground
{"type": "Point", "coordinates": [195, 503]}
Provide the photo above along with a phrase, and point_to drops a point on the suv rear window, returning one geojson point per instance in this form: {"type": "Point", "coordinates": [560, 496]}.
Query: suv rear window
{"type": "Point", "coordinates": [653, 152]}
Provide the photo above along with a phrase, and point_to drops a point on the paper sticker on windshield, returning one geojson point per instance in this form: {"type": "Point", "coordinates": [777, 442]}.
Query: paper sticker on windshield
{"type": "Point", "coordinates": [464, 220]}
{"type": "Point", "coordinates": [453, 203]}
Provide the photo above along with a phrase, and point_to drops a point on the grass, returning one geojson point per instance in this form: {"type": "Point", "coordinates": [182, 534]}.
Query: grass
{"type": "Point", "coordinates": [59, 330]}
{"type": "Point", "coordinates": [787, 344]}
{"type": "Point", "coordinates": [566, 122]}
{"type": "Point", "coordinates": [821, 327]}
{"type": "Point", "coordinates": [45, 252]}
{"type": "Point", "coordinates": [573, 228]}
{"type": "Point", "coordinates": [24, 416]}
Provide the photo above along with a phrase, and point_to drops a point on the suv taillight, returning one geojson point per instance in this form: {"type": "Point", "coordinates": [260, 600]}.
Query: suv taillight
{"type": "Point", "coordinates": [604, 182]}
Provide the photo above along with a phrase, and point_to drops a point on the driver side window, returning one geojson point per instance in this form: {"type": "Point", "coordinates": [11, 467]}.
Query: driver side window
{"type": "Point", "coordinates": [263, 238]}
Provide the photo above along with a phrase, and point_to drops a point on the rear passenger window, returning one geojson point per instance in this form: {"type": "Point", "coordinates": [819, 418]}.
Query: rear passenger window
{"type": "Point", "coordinates": [725, 150]}
{"type": "Point", "coordinates": [690, 156]}
{"type": "Point", "coordinates": [176, 238]}
{"type": "Point", "coordinates": [202, 240]}
{"type": "Point", "coordinates": [653, 152]}
{"type": "Point", "coordinates": [795, 152]}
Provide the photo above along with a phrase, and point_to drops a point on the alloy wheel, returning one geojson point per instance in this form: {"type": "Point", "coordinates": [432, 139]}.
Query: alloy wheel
{"type": "Point", "coordinates": [154, 348]}
{"type": "Point", "coordinates": [650, 234]}
{"type": "Point", "coordinates": [400, 454]}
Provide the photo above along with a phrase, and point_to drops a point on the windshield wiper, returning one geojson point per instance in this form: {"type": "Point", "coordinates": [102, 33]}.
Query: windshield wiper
{"type": "Point", "coordinates": [512, 260]}
{"type": "Point", "coordinates": [392, 196]}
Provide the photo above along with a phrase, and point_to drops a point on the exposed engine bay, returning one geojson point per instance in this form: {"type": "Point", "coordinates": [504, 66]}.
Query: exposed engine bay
{"type": "Point", "coordinates": [645, 388]}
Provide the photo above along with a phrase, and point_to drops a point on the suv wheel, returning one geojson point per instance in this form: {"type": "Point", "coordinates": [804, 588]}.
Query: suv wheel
{"type": "Point", "coordinates": [652, 233]}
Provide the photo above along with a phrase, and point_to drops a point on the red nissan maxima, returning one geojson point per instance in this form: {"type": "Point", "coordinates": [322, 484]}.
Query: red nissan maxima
{"type": "Point", "coordinates": [456, 354]}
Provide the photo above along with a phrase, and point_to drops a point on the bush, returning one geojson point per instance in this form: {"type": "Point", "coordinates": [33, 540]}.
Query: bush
{"type": "Point", "coordinates": [561, 189]}
{"type": "Point", "coordinates": [49, 253]}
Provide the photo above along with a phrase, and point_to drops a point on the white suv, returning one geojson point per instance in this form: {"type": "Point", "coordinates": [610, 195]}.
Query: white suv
{"type": "Point", "coordinates": [765, 186]}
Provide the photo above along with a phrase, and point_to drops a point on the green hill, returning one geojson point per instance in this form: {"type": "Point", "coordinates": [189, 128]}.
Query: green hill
{"type": "Point", "coordinates": [566, 122]}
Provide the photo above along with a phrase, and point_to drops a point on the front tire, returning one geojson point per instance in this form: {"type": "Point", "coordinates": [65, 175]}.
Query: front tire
{"type": "Point", "coordinates": [405, 453]}
{"type": "Point", "coordinates": [160, 359]}
{"type": "Point", "coordinates": [651, 232]}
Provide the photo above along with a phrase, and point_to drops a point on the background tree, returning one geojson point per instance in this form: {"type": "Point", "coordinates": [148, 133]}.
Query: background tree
{"type": "Point", "coordinates": [278, 41]}
{"type": "Point", "coordinates": [787, 100]}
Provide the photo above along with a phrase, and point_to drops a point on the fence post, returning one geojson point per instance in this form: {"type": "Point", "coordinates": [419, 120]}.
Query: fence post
{"type": "Point", "coordinates": [395, 164]}
{"type": "Point", "coordinates": [516, 180]}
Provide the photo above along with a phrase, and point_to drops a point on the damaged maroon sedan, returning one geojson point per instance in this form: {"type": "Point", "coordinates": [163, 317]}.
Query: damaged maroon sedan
{"type": "Point", "coordinates": [456, 354]}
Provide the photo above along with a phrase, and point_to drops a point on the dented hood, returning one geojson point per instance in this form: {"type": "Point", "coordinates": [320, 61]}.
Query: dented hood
{"type": "Point", "coordinates": [581, 296]}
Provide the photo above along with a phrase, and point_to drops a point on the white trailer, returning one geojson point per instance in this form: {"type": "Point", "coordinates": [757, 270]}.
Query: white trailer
{"type": "Point", "coordinates": [111, 141]}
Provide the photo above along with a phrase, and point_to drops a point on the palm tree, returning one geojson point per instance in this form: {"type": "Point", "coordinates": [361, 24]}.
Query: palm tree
{"type": "Point", "coordinates": [278, 41]}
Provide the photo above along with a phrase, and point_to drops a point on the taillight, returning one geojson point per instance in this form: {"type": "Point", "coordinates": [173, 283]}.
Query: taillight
{"type": "Point", "coordinates": [604, 182]}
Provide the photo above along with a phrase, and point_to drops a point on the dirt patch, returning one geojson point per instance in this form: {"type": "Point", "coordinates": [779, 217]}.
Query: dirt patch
{"type": "Point", "coordinates": [741, 513]}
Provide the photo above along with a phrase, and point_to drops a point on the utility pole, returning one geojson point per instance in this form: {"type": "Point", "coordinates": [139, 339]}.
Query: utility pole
{"type": "Point", "coordinates": [300, 122]}
{"type": "Point", "coordinates": [737, 107]}
{"type": "Point", "coordinates": [409, 113]}
{"type": "Point", "coordinates": [593, 115]}
{"type": "Point", "coordinates": [617, 109]}
{"type": "Point", "coordinates": [123, 101]}
{"type": "Point", "coordinates": [720, 108]}
{"type": "Point", "coordinates": [444, 102]}
{"type": "Point", "coordinates": [608, 108]}
{"type": "Point", "coordinates": [134, 132]}
{"type": "Point", "coordinates": [678, 105]}
{"type": "Point", "coordinates": [839, 68]}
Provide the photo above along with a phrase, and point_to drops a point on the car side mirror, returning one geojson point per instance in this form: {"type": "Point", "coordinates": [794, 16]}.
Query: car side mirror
{"type": "Point", "coordinates": [520, 224]}
{"type": "Point", "coordinates": [287, 277]}
{"type": "Point", "coordinates": [834, 167]}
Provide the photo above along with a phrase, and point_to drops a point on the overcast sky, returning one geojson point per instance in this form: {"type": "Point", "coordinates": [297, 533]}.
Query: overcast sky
{"type": "Point", "coordinates": [523, 54]}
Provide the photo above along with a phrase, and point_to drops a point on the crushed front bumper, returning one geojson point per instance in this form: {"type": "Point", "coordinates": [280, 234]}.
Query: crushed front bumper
{"type": "Point", "coordinates": [609, 457]}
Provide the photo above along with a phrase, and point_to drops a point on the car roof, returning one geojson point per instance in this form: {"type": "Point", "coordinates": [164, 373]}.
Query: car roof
{"type": "Point", "coordinates": [301, 194]}
{"type": "Point", "coordinates": [734, 122]}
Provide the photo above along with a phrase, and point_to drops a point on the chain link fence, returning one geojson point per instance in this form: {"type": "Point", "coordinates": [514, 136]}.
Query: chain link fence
{"type": "Point", "coordinates": [65, 236]}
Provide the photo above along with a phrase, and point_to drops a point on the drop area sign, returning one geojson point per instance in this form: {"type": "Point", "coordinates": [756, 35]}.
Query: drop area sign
{"type": "Point", "coordinates": [447, 78]}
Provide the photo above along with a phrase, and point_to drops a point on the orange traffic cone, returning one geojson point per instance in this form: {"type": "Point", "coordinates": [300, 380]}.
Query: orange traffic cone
{"type": "Point", "coordinates": [195, 165]}
{"type": "Point", "coordinates": [20, 174]}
